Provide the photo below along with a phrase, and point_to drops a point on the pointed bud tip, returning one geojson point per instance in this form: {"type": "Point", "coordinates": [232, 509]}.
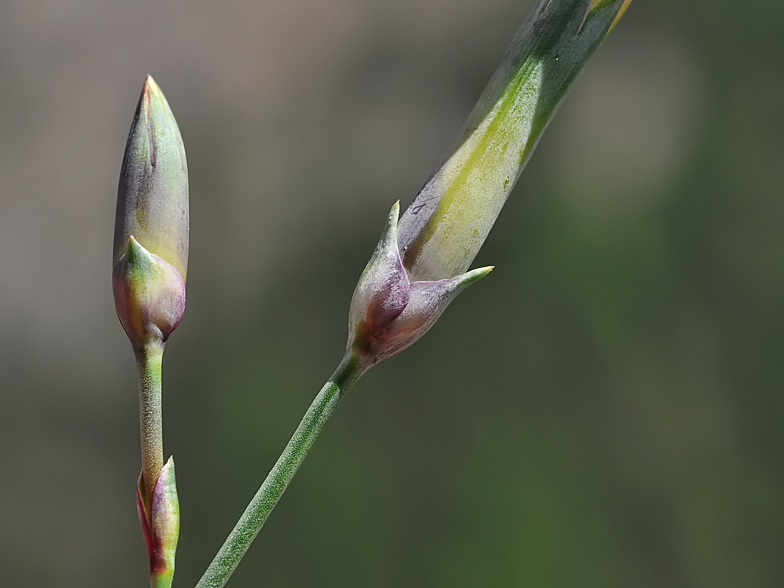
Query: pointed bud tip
{"type": "Point", "coordinates": [394, 215]}
{"type": "Point", "coordinates": [387, 245]}
{"type": "Point", "coordinates": [135, 251]}
{"type": "Point", "coordinates": [475, 275]}
{"type": "Point", "coordinates": [150, 87]}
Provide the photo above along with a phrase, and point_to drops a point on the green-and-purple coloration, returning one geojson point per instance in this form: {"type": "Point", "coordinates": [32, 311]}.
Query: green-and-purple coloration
{"type": "Point", "coordinates": [399, 297]}
{"type": "Point", "coordinates": [148, 278]}
{"type": "Point", "coordinates": [388, 311]}
{"type": "Point", "coordinates": [149, 295]}
{"type": "Point", "coordinates": [160, 525]}
{"type": "Point", "coordinates": [150, 253]}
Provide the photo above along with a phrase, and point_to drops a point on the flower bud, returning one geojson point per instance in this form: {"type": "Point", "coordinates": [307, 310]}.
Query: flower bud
{"type": "Point", "coordinates": [161, 524]}
{"type": "Point", "coordinates": [399, 297]}
{"type": "Point", "coordinates": [388, 311]}
{"type": "Point", "coordinates": [150, 253]}
{"type": "Point", "coordinates": [443, 229]}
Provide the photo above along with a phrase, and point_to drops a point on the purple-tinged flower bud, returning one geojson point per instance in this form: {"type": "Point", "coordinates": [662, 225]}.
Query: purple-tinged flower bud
{"type": "Point", "coordinates": [161, 524]}
{"type": "Point", "coordinates": [151, 223]}
{"type": "Point", "coordinates": [417, 268]}
{"type": "Point", "coordinates": [388, 311]}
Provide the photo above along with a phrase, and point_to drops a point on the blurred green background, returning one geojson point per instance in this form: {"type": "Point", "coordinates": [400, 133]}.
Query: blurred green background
{"type": "Point", "coordinates": [604, 410]}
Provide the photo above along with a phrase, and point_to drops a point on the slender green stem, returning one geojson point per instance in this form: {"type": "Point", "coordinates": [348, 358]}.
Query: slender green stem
{"type": "Point", "coordinates": [148, 360]}
{"type": "Point", "coordinates": [162, 580]}
{"type": "Point", "coordinates": [283, 471]}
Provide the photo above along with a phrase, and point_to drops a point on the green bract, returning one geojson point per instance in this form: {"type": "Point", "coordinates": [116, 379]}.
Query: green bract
{"type": "Point", "coordinates": [160, 525]}
{"type": "Point", "coordinates": [149, 295]}
{"type": "Point", "coordinates": [388, 311]}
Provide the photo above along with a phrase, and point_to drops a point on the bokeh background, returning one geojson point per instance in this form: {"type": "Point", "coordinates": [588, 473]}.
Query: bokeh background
{"type": "Point", "coordinates": [606, 409]}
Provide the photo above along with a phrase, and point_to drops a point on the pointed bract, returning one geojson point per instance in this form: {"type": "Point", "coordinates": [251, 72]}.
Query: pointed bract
{"type": "Point", "coordinates": [388, 311]}
{"type": "Point", "coordinates": [165, 526]}
{"type": "Point", "coordinates": [161, 525]}
{"type": "Point", "coordinates": [383, 289]}
{"type": "Point", "coordinates": [149, 295]}
{"type": "Point", "coordinates": [427, 301]}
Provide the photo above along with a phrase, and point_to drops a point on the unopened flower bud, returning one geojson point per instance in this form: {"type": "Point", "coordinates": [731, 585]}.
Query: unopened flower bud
{"type": "Point", "coordinates": [150, 253]}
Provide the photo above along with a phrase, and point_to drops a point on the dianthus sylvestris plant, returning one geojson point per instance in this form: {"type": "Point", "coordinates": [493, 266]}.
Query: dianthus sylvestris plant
{"type": "Point", "coordinates": [148, 279]}
{"type": "Point", "coordinates": [418, 267]}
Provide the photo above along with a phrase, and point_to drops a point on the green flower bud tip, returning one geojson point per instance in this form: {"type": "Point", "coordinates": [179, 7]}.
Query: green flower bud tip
{"type": "Point", "coordinates": [149, 295]}
{"type": "Point", "coordinates": [443, 229]}
{"type": "Point", "coordinates": [152, 198]}
{"type": "Point", "coordinates": [388, 311]}
{"type": "Point", "coordinates": [161, 525]}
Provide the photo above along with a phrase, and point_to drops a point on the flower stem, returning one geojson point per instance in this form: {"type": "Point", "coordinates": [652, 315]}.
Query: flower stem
{"type": "Point", "coordinates": [255, 515]}
{"type": "Point", "coordinates": [162, 580]}
{"type": "Point", "coordinates": [148, 360]}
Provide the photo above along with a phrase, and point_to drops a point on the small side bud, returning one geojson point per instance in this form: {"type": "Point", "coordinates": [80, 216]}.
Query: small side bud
{"type": "Point", "coordinates": [149, 295]}
{"type": "Point", "coordinates": [161, 525]}
{"type": "Point", "coordinates": [388, 311]}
